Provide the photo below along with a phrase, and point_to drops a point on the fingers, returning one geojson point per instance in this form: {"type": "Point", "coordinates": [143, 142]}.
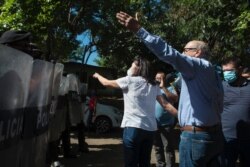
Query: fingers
{"type": "Point", "coordinates": [121, 22]}
{"type": "Point", "coordinates": [120, 16]}
{"type": "Point", "coordinates": [136, 16]}
{"type": "Point", "coordinates": [123, 15]}
{"type": "Point", "coordinates": [128, 21]}
{"type": "Point", "coordinates": [123, 18]}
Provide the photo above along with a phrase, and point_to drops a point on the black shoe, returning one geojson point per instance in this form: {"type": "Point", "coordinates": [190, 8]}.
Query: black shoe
{"type": "Point", "coordinates": [84, 149]}
{"type": "Point", "coordinates": [70, 156]}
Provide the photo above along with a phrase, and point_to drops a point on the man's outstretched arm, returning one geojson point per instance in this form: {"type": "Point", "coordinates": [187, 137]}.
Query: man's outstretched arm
{"type": "Point", "coordinates": [158, 46]}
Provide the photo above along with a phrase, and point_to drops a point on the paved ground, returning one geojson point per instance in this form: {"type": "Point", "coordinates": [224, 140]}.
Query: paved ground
{"type": "Point", "coordinates": [105, 151]}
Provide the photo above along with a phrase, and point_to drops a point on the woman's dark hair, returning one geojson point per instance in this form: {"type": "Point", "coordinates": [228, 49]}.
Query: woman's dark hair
{"type": "Point", "coordinates": [145, 69]}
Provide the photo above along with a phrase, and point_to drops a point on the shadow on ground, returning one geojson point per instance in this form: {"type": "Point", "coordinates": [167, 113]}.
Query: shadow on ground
{"type": "Point", "coordinates": [105, 151]}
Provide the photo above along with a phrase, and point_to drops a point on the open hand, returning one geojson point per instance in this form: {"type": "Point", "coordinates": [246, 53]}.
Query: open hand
{"type": "Point", "coordinates": [128, 21]}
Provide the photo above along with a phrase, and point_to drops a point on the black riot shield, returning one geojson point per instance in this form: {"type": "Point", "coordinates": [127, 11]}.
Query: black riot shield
{"type": "Point", "coordinates": [15, 72]}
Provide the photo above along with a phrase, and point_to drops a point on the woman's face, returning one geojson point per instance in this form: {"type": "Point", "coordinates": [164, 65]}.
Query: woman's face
{"type": "Point", "coordinates": [134, 69]}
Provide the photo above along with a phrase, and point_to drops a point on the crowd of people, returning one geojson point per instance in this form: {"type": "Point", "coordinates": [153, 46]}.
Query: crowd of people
{"type": "Point", "coordinates": [213, 111]}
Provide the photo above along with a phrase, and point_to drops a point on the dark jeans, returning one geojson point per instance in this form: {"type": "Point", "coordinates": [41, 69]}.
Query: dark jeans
{"type": "Point", "coordinates": [83, 146]}
{"type": "Point", "coordinates": [164, 147]}
{"type": "Point", "coordinates": [200, 149]}
{"type": "Point", "coordinates": [235, 149]}
{"type": "Point", "coordinates": [89, 121]}
{"type": "Point", "coordinates": [137, 145]}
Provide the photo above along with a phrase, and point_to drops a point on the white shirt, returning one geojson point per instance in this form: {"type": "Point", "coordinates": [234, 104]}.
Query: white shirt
{"type": "Point", "coordinates": [139, 102]}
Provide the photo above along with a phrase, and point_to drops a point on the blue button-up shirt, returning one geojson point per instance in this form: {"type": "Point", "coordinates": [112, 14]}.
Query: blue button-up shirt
{"type": "Point", "coordinates": [201, 98]}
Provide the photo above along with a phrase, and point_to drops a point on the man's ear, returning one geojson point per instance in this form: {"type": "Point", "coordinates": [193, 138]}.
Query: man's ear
{"type": "Point", "coordinates": [198, 53]}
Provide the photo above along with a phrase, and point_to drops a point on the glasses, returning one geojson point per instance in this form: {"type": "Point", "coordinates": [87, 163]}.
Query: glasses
{"type": "Point", "coordinates": [188, 49]}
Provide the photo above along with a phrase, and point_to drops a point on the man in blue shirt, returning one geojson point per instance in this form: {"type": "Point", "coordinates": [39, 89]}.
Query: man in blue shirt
{"type": "Point", "coordinates": [201, 97]}
{"type": "Point", "coordinates": [164, 137]}
{"type": "Point", "coordinates": [236, 114]}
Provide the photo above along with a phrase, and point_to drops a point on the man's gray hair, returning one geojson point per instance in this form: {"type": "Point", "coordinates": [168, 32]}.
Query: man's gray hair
{"type": "Point", "coordinates": [201, 45]}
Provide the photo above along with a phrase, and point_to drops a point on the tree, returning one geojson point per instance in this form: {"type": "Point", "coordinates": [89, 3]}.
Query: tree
{"type": "Point", "coordinates": [83, 53]}
{"type": "Point", "coordinates": [216, 22]}
{"type": "Point", "coordinates": [223, 24]}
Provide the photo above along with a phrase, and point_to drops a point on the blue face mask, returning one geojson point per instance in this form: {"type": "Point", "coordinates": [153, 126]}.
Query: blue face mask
{"type": "Point", "coordinates": [230, 76]}
{"type": "Point", "coordinates": [129, 72]}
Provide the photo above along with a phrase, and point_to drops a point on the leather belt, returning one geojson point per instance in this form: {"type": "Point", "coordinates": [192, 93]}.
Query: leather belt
{"type": "Point", "coordinates": [213, 128]}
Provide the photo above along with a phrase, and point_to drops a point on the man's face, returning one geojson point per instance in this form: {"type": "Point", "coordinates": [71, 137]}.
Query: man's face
{"type": "Point", "coordinates": [229, 67]}
{"type": "Point", "coordinates": [191, 50]}
{"type": "Point", "coordinates": [22, 45]}
{"type": "Point", "coordinates": [230, 72]}
{"type": "Point", "coordinates": [159, 77]}
{"type": "Point", "coordinates": [27, 47]}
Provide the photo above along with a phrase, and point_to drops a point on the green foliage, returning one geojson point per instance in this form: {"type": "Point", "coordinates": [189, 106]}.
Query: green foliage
{"type": "Point", "coordinates": [223, 24]}
{"type": "Point", "coordinates": [217, 22]}
{"type": "Point", "coordinates": [40, 17]}
{"type": "Point", "coordinates": [11, 15]}
{"type": "Point", "coordinates": [243, 22]}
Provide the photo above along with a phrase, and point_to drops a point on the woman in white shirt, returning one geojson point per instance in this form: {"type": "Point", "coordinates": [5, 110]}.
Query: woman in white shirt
{"type": "Point", "coordinates": [139, 123]}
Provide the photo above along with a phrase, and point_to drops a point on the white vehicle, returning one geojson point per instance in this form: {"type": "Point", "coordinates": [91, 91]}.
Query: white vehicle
{"type": "Point", "coordinates": [107, 117]}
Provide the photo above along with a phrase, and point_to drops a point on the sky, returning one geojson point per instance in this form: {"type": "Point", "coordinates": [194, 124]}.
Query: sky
{"type": "Point", "coordinates": [84, 38]}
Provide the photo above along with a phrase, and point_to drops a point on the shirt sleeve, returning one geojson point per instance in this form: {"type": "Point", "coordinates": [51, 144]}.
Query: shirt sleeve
{"type": "Point", "coordinates": [166, 53]}
{"type": "Point", "coordinates": [172, 90]}
{"type": "Point", "coordinates": [158, 91]}
{"type": "Point", "coordinates": [123, 82]}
